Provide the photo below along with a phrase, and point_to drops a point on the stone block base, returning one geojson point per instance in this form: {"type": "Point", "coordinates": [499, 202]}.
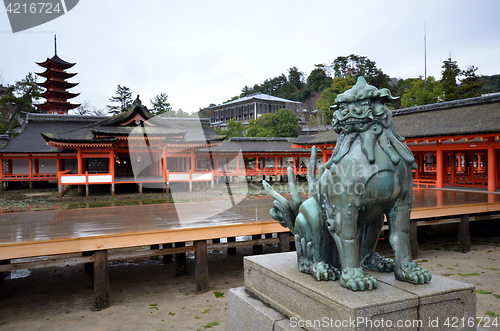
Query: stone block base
{"type": "Point", "coordinates": [277, 296]}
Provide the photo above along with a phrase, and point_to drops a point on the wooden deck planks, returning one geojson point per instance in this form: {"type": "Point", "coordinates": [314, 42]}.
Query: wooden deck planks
{"type": "Point", "coordinates": [52, 232]}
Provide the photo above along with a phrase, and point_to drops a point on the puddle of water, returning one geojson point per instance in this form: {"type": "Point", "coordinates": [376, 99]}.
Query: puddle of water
{"type": "Point", "coordinates": [21, 273]}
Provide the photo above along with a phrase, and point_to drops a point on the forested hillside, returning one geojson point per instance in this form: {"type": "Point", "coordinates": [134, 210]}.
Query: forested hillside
{"type": "Point", "coordinates": [319, 89]}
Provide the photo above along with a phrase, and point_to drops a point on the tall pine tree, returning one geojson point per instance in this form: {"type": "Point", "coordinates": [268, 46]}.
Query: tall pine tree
{"type": "Point", "coordinates": [124, 99]}
{"type": "Point", "coordinates": [471, 83]}
{"type": "Point", "coordinates": [449, 79]}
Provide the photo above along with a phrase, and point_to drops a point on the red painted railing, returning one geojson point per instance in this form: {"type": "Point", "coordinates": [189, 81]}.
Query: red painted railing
{"type": "Point", "coordinates": [27, 177]}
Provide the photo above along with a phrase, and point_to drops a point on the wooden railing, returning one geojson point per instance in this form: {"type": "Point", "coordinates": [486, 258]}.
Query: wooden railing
{"type": "Point", "coordinates": [424, 182]}
{"type": "Point", "coordinates": [27, 177]}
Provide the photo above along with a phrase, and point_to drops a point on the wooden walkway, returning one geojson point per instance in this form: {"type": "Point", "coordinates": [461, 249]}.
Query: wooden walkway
{"type": "Point", "coordinates": [92, 232]}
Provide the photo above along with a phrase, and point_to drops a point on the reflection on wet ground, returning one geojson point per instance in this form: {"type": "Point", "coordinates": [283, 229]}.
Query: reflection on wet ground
{"type": "Point", "coordinates": [26, 227]}
{"type": "Point", "coordinates": [441, 198]}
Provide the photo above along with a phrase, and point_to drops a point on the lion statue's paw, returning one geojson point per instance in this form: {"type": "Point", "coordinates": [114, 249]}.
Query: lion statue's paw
{"type": "Point", "coordinates": [323, 271]}
{"type": "Point", "coordinates": [355, 279]}
{"type": "Point", "coordinates": [410, 272]}
{"type": "Point", "coordinates": [305, 260]}
{"type": "Point", "coordinates": [377, 262]}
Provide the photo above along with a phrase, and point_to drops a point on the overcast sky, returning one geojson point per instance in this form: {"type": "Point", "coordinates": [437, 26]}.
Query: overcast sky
{"type": "Point", "coordinates": [202, 52]}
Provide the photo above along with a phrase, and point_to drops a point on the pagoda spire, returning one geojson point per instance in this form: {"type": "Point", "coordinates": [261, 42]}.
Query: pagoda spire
{"type": "Point", "coordinates": [55, 45]}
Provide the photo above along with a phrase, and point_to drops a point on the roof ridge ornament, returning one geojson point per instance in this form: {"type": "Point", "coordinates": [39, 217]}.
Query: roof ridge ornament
{"type": "Point", "coordinates": [137, 101]}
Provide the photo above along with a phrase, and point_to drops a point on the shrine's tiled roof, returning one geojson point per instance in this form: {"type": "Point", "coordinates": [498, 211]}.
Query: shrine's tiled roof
{"type": "Point", "coordinates": [459, 117]}
{"type": "Point", "coordinates": [42, 128]}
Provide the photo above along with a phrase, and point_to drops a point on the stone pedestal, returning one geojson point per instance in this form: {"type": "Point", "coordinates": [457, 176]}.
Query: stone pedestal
{"type": "Point", "coordinates": [277, 296]}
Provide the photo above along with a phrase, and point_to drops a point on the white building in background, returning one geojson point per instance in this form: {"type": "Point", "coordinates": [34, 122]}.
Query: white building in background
{"type": "Point", "coordinates": [252, 106]}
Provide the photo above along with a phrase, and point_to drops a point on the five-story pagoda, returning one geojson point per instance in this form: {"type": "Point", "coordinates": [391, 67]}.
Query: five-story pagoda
{"type": "Point", "coordinates": [56, 85]}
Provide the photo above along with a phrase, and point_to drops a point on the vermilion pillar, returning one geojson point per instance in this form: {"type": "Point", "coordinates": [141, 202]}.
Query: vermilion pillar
{"type": "Point", "coordinates": [419, 165]}
{"type": "Point", "coordinates": [164, 163]}
{"type": "Point", "coordinates": [492, 169]}
{"type": "Point", "coordinates": [439, 168]}
{"type": "Point", "coordinates": [453, 168]}
{"type": "Point", "coordinates": [30, 165]}
{"type": "Point", "coordinates": [112, 164]}
{"type": "Point", "coordinates": [80, 161]}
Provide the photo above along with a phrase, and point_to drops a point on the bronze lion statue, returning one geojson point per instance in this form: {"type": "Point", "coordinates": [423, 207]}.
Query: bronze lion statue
{"type": "Point", "coordinates": [369, 175]}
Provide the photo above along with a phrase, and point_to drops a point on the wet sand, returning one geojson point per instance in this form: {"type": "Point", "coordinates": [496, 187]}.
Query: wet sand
{"type": "Point", "coordinates": [146, 295]}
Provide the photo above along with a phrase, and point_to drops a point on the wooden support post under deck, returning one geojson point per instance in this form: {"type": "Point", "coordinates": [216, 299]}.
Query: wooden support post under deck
{"type": "Point", "coordinates": [140, 187]}
{"type": "Point", "coordinates": [87, 190]}
{"type": "Point", "coordinates": [101, 280]}
{"type": "Point", "coordinates": [153, 247]}
{"type": "Point", "coordinates": [201, 266]}
{"type": "Point", "coordinates": [268, 236]}
{"type": "Point", "coordinates": [180, 261]}
{"type": "Point", "coordinates": [231, 250]}
{"type": "Point", "coordinates": [112, 189]}
{"type": "Point", "coordinates": [256, 249]}
{"type": "Point", "coordinates": [3, 274]}
{"type": "Point", "coordinates": [413, 239]}
{"type": "Point", "coordinates": [284, 241]}
{"type": "Point", "coordinates": [464, 235]}
{"type": "Point", "coordinates": [167, 258]}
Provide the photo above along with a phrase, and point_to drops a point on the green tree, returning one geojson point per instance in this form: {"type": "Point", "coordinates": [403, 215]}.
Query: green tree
{"type": "Point", "coordinates": [295, 77]}
{"type": "Point", "coordinates": [287, 123]}
{"type": "Point", "coordinates": [233, 129]}
{"type": "Point", "coordinates": [449, 79]}
{"type": "Point", "coordinates": [471, 84]}
{"type": "Point", "coordinates": [18, 98]}
{"type": "Point", "coordinates": [124, 99]}
{"type": "Point", "coordinates": [356, 65]}
{"type": "Point", "coordinates": [421, 93]}
{"type": "Point", "coordinates": [283, 123]}
{"type": "Point", "coordinates": [328, 96]}
{"type": "Point", "coordinates": [318, 80]}
{"type": "Point", "coordinates": [246, 91]}
{"type": "Point", "coordinates": [160, 104]}
{"type": "Point", "coordinates": [256, 128]}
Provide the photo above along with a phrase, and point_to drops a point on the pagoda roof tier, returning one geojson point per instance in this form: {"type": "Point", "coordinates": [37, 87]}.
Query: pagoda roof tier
{"type": "Point", "coordinates": [48, 105]}
{"type": "Point", "coordinates": [62, 84]}
{"type": "Point", "coordinates": [58, 94]}
{"type": "Point", "coordinates": [56, 61]}
{"type": "Point", "coordinates": [53, 73]}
